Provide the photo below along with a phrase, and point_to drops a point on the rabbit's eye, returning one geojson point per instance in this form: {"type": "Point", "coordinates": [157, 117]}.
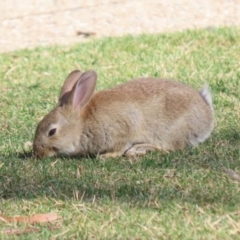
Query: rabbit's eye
{"type": "Point", "coordinates": [52, 132]}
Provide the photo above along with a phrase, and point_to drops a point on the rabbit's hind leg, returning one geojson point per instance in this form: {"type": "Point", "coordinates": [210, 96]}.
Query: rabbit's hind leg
{"type": "Point", "coordinates": [141, 149]}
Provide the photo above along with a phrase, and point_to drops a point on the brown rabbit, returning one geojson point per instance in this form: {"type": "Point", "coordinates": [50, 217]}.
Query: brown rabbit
{"type": "Point", "coordinates": [130, 119]}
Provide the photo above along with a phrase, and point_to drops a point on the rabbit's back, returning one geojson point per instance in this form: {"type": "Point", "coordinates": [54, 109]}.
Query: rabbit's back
{"type": "Point", "coordinates": [166, 113]}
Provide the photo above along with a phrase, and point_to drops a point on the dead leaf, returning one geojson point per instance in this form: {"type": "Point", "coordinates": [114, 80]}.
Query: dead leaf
{"type": "Point", "coordinates": [232, 174]}
{"type": "Point", "coordinates": [38, 218]}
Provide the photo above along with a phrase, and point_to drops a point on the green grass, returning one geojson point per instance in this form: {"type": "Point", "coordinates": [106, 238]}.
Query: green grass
{"type": "Point", "coordinates": [180, 195]}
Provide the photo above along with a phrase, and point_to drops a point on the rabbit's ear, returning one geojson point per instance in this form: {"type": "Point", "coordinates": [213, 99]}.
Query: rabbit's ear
{"type": "Point", "coordinates": [68, 86]}
{"type": "Point", "coordinates": [83, 90]}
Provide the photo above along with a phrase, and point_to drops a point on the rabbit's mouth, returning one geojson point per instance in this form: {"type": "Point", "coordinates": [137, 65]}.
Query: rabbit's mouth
{"type": "Point", "coordinates": [41, 152]}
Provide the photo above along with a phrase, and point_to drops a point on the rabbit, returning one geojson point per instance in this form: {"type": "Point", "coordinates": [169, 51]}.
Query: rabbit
{"type": "Point", "coordinates": [130, 119]}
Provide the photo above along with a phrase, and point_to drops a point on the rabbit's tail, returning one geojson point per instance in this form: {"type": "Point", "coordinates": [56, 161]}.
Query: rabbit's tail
{"type": "Point", "coordinates": [206, 95]}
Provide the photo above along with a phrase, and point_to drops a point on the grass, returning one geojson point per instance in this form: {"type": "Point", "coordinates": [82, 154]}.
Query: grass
{"type": "Point", "coordinates": [180, 195]}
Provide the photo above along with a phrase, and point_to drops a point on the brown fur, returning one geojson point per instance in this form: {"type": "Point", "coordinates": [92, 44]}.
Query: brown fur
{"type": "Point", "coordinates": [132, 118]}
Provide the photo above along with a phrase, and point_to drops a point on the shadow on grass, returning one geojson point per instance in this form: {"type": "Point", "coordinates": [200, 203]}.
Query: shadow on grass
{"type": "Point", "coordinates": [24, 155]}
{"type": "Point", "coordinates": [178, 176]}
{"type": "Point", "coordinates": [232, 135]}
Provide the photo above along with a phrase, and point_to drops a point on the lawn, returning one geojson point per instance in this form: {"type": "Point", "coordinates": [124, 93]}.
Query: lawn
{"type": "Point", "coordinates": [177, 195]}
